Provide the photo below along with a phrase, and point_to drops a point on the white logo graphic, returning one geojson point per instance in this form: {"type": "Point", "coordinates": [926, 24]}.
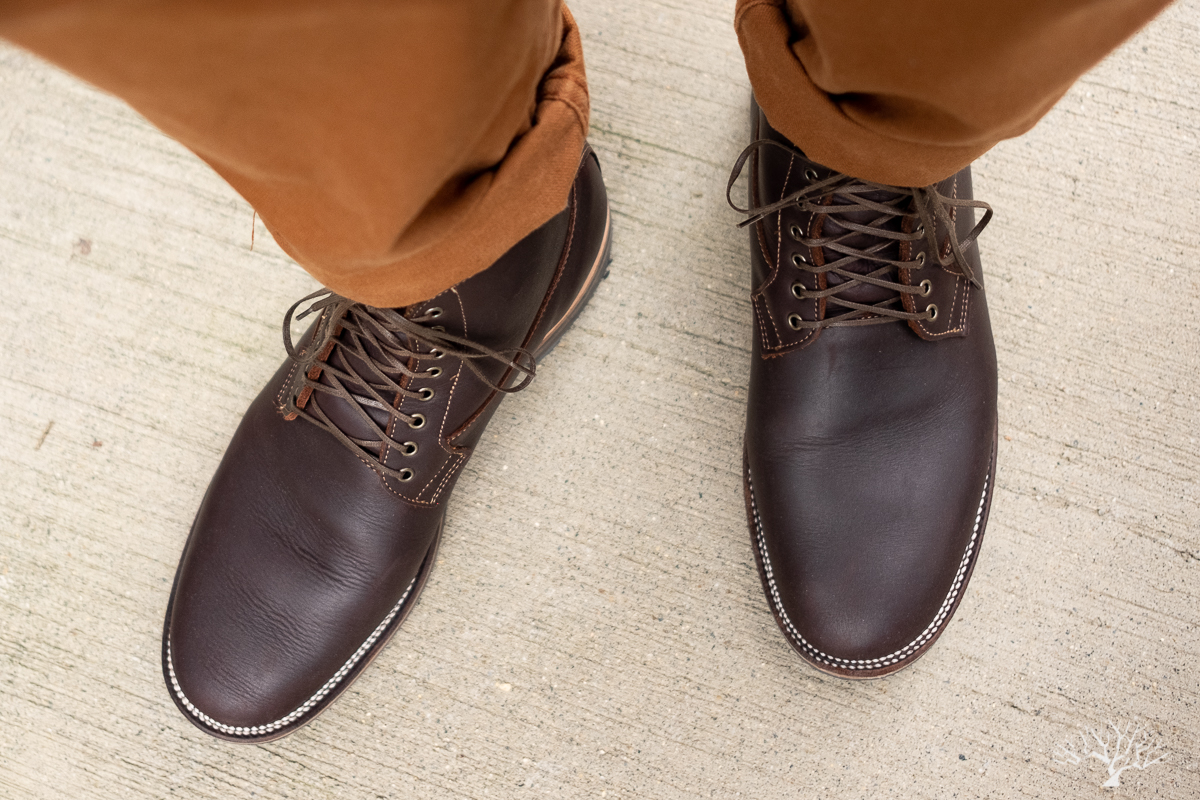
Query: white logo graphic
{"type": "Point", "coordinates": [1119, 750]}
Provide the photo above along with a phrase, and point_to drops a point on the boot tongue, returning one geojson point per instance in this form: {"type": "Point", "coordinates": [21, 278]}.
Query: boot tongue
{"type": "Point", "coordinates": [830, 227]}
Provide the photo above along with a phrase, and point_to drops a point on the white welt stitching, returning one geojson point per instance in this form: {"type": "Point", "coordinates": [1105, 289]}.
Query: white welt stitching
{"type": "Point", "coordinates": [325, 689]}
{"type": "Point", "coordinates": [867, 663]}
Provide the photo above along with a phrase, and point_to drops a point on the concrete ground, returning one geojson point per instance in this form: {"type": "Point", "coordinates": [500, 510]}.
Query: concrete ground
{"type": "Point", "coordinates": [595, 626]}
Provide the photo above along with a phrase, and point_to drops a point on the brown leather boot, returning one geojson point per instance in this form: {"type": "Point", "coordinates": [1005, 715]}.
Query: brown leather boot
{"type": "Point", "coordinates": [322, 522]}
{"type": "Point", "coordinates": [871, 428]}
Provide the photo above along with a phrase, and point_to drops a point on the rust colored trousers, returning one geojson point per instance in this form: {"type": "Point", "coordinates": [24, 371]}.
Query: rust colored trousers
{"type": "Point", "coordinates": [397, 147]}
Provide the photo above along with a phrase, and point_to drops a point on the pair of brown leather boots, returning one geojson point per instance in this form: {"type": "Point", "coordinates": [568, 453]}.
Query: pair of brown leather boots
{"type": "Point", "coordinates": [869, 451]}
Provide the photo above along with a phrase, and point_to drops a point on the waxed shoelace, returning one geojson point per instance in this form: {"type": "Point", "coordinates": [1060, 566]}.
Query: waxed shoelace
{"type": "Point", "coordinates": [840, 195]}
{"type": "Point", "coordinates": [393, 348]}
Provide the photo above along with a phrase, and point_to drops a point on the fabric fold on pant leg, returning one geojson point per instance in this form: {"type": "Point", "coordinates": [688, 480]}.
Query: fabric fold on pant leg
{"type": "Point", "coordinates": [392, 149]}
{"type": "Point", "coordinates": [908, 93]}
{"type": "Point", "coordinates": [477, 218]}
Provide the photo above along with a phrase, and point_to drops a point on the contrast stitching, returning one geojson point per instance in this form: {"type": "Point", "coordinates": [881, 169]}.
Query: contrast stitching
{"type": "Point", "coordinates": [867, 663]}
{"type": "Point", "coordinates": [776, 270]}
{"type": "Point", "coordinates": [445, 416]}
{"type": "Point", "coordinates": [778, 260]}
{"type": "Point", "coordinates": [758, 318]}
{"type": "Point", "coordinates": [778, 266]}
{"type": "Point", "coordinates": [451, 463]}
{"type": "Point", "coordinates": [326, 688]}
{"type": "Point", "coordinates": [759, 227]}
{"type": "Point", "coordinates": [573, 204]}
{"type": "Point", "coordinates": [279, 404]}
{"type": "Point", "coordinates": [383, 480]}
{"type": "Point", "coordinates": [958, 284]}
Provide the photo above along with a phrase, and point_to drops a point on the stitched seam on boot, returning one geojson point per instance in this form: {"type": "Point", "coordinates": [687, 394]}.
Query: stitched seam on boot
{"type": "Point", "coordinates": [456, 458]}
{"type": "Point", "coordinates": [776, 267]}
{"type": "Point", "coordinates": [959, 283]}
{"type": "Point", "coordinates": [326, 688]}
{"type": "Point", "coordinates": [868, 663]}
{"type": "Point", "coordinates": [775, 275]}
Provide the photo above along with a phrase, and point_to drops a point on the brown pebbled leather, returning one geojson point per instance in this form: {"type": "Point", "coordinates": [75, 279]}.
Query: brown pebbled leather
{"type": "Point", "coordinates": [869, 451]}
{"type": "Point", "coordinates": [303, 560]}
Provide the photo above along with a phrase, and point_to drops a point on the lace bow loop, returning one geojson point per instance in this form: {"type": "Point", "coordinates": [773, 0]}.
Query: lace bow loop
{"type": "Point", "coordinates": [931, 208]}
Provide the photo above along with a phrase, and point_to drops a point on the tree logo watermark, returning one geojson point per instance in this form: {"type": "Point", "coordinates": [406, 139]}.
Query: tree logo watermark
{"type": "Point", "coordinates": [1119, 749]}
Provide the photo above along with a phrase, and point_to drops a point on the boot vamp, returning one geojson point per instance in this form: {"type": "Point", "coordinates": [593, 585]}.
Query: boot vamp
{"type": "Point", "coordinates": [868, 454]}
{"type": "Point", "coordinates": [297, 554]}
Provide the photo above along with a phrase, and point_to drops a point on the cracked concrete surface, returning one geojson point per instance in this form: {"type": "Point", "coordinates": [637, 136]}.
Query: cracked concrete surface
{"type": "Point", "coordinates": [595, 626]}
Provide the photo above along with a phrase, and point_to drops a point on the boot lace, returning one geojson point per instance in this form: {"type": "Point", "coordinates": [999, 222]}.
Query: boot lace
{"type": "Point", "coordinates": [382, 351]}
{"type": "Point", "coordinates": [840, 197]}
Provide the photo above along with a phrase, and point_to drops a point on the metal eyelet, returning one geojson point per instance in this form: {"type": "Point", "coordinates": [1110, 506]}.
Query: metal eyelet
{"type": "Point", "coordinates": [426, 393]}
{"type": "Point", "coordinates": [435, 353]}
{"type": "Point", "coordinates": [410, 449]}
{"type": "Point", "coordinates": [931, 310]}
{"type": "Point", "coordinates": [811, 174]}
{"type": "Point", "coordinates": [926, 287]}
{"type": "Point", "coordinates": [798, 290]}
{"type": "Point", "coordinates": [434, 312]}
{"type": "Point", "coordinates": [418, 421]}
{"type": "Point", "coordinates": [921, 258]}
{"type": "Point", "coordinates": [795, 232]}
{"type": "Point", "coordinates": [920, 231]}
{"type": "Point", "coordinates": [433, 372]}
{"type": "Point", "coordinates": [406, 475]}
{"type": "Point", "coordinates": [799, 260]}
{"type": "Point", "coordinates": [794, 321]}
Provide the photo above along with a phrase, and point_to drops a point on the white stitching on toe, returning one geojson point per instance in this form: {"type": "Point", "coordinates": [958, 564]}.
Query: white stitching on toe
{"type": "Point", "coordinates": [868, 663]}
{"type": "Point", "coordinates": [326, 688]}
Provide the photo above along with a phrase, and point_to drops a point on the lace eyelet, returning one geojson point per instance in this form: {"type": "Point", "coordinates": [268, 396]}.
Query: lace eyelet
{"type": "Point", "coordinates": [435, 353]}
{"type": "Point", "coordinates": [434, 312]}
{"type": "Point", "coordinates": [921, 258]}
{"type": "Point", "coordinates": [926, 287]}
{"type": "Point", "coordinates": [811, 174]}
{"type": "Point", "coordinates": [931, 310]}
{"type": "Point", "coordinates": [794, 321]}
{"type": "Point", "coordinates": [795, 232]}
{"type": "Point", "coordinates": [798, 290]}
{"type": "Point", "coordinates": [406, 475]}
{"type": "Point", "coordinates": [426, 393]}
{"type": "Point", "coordinates": [433, 372]}
{"type": "Point", "coordinates": [920, 231]}
{"type": "Point", "coordinates": [418, 421]}
{"type": "Point", "coordinates": [410, 449]}
{"type": "Point", "coordinates": [800, 261]}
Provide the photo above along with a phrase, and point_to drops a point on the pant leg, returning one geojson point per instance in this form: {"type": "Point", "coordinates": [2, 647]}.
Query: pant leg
{"type": "Point", "coordinates": [392, 148]}
{"type": "Point", "coordinates": [908, 93]}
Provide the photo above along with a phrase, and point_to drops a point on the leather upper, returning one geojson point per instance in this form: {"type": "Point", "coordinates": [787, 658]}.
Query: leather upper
{"type": "Point", "coordinates": [869, 449]}
{"type": "Point", "coordinates": [302, 554]}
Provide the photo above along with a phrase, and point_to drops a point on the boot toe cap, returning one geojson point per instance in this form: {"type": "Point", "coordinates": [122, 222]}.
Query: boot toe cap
{"type": "Point", "coordinates": [862, 595]}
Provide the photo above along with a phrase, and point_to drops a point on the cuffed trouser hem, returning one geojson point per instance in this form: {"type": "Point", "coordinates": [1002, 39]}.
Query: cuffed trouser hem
{"type": "Point", "coordinates": [908, 93]}
{"type": "Point", "coordinates": [392, 149]}
{"type": "Point", "coordinates": [499, 207]}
